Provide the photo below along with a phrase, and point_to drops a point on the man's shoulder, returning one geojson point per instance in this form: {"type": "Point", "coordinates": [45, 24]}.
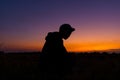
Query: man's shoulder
{"type": "Point", "coordinates": [52, 35]}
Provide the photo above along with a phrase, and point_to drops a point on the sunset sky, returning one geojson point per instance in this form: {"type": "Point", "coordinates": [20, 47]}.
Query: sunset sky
{"type": "Point", "coordinates": [25, 23]}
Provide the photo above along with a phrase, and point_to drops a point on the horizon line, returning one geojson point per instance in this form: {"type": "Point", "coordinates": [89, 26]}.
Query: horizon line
{"type": "Point", "coordinates": [117, 50]}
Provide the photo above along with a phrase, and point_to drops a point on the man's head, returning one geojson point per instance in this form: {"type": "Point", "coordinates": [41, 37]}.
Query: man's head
{"type": "Point", "coordinates": [66, 30]}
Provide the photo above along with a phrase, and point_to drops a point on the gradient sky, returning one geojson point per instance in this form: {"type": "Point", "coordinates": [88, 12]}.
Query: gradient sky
{"type": "Point", "coordinates": [25, 23]}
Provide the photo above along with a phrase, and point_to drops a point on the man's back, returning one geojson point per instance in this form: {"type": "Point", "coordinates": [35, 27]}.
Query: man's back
{"type": "Point", "coordinates": [54, 45]}
{"type": "Point", "coordinates": [54, 53]}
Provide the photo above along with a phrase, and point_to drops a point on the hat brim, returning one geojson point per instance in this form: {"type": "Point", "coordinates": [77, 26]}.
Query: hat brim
{"type": "Point", "coordinates": [72, 29]}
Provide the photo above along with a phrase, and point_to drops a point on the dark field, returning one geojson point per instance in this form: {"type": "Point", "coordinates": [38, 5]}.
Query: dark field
{"type": "Point", "coordinates": [84, 66]}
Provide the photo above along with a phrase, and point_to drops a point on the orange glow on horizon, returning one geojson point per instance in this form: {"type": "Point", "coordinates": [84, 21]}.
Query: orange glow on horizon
{"type": "Point", "coordinates": [80, 47]}
{"type": "Point", "coordinates": [70, 46]}
{"type": "Point", "coordinates": [24, 46]}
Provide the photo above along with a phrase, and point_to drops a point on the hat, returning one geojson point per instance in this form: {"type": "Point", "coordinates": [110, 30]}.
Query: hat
{"type": "Point", "coordinates": [65, 27]}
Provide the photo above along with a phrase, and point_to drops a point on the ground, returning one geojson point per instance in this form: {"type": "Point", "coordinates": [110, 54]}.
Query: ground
{"type": "Point", "coordinates": [84, 66]}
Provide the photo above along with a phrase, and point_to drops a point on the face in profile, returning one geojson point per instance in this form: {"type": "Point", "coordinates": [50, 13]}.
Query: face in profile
{"type": "Point", "coordinates": [66, 30]}
{"type": "Point", "coordinates": [66, 34]}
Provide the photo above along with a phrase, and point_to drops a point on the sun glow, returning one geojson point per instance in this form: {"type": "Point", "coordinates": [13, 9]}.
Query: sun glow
{"type": "Point", "coordinates": [80, 47]}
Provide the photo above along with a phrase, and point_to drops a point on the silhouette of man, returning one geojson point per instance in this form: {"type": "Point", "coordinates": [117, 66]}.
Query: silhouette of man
{"type": "Point", "coordinates": [54, 40]}
{"type": "Point", "coordinates": [53, 51]}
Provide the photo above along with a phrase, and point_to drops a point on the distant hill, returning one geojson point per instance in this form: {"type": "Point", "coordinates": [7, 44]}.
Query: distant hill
{"type": "Point", "coordinates": [108, 51]}
{"type": "Point", "coordinates": [114, 50]}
